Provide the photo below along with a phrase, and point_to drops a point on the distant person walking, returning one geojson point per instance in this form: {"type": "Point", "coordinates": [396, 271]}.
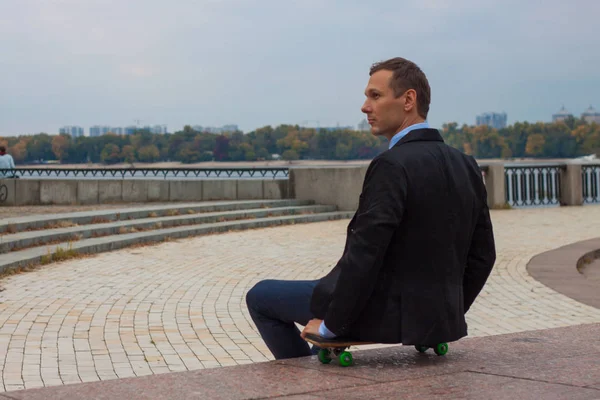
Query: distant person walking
{"type": "Point", "coordinates": [6, 164]}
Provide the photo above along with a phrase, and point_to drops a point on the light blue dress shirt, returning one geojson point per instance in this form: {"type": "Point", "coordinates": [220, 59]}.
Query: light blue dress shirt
{"type": "Point", "coordinates": [323, 331]}
{"type": "Point", "coordinates": [405, 131]}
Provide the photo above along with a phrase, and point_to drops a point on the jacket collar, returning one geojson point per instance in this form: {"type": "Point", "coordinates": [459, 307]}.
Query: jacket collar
{"type": "Point", "coordinates": [421, 135]}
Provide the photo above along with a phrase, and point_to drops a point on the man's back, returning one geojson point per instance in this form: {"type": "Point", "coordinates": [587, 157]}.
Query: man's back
{"type": "Point", "coordinates": [6, 162]}
{"type": "Point", "coordinates": [421, 290]}
{"type": "Point", "coordinates": [418, 249]}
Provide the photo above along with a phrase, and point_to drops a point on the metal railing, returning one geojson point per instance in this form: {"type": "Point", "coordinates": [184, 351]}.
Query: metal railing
{"type": "Point", "coordinates": [533, 185]}
{"type": "Point", "coordinates": [141, 173]}
{"type": "Point", "coordinates": [590, 179]}
{"type": "Point", "coordinates": [525, 185]}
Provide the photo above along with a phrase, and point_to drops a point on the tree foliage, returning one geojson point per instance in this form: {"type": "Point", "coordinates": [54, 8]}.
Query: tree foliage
{"type": "Point", "coordinates": [571, 138]}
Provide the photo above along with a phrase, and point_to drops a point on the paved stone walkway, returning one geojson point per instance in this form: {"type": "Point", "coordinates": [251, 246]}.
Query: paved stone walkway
{"type": "Point", "coordinates": [180, 305]}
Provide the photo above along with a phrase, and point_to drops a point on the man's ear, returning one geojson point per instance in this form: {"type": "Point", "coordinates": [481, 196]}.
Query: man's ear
{"type": "Point", "coordinates": [410, 99]}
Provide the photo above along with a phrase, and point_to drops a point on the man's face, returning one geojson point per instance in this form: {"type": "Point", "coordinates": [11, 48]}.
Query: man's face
{"type": "Point", "coordinates": [385, 112]}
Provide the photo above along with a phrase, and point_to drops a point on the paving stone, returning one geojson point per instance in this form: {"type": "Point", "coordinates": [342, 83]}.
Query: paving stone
{"type": "Point", "coordinates": [467, 372]}
{"type": "Point", "coordinates": [219, 383]}
{"type": "Point", "coordinates": [180, 305]}
{"type": "Point", "coordinates": [464, 385]}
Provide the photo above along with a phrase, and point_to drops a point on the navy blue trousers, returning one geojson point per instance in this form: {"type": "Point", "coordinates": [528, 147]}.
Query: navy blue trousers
{"type": "Point", "coordinates": [275, 306]}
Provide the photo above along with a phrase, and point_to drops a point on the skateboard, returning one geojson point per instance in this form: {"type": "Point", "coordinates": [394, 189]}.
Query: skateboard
{"type": "Point", "coordinates": [336, 348]}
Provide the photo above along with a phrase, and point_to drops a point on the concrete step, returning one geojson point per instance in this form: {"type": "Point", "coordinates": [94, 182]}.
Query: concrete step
{"type": "Point", "coordinates": [26, 239]}
{"type": "Point", "coordinates": [20, 224]}
{"type": "Point", "coordinates": [32, 256]}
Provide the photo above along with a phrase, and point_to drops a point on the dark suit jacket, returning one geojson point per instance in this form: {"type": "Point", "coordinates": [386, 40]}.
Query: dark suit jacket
{"type": "Point", "coordinates": [418, 251]}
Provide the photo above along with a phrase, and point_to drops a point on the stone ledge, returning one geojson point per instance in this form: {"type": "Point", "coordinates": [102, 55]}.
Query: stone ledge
{"type": "Point", "coordinates": [559, 270]}
{"type": "Point", "coordinates": [557, 363]}
{"type": "Point", "coordinates": [65, 191]}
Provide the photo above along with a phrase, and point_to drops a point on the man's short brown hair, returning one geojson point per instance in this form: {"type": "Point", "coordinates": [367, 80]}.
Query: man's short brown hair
{"type": "Point", "coordinates": [407, 75]}
{"type": "Point", "coordinates": [2, 149]}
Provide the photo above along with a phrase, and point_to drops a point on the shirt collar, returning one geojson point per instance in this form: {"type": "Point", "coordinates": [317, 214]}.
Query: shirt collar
{"type": "Point", "coordinates": [405, 131]}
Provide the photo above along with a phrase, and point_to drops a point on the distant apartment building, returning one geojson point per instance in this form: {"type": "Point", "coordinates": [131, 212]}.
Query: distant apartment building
{"type": "Point", "coordinates": [364, 126]}
{"type": "Point", "coordinates": [99, 130]}
{"type": "Point", "coordinates": [74, 131]}
{"type": "Point", "coordinates": [561, 115]}
{"type": "Point", "coordinates": [158, 129]}
{"type": "Point", "coordinates": [229, 128]}
{"type": "Point", "coordinates": [491, 119]}
{"type": "Point", "coordinates": [335, 128]}
{"type": "Point", "coordinates": [591, 115]}
{"type": "Point", "coordinates": [216, 130]}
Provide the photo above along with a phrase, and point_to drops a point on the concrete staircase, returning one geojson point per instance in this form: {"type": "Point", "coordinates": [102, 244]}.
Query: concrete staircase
{"type": "Point", "coordinates": [29, 241]}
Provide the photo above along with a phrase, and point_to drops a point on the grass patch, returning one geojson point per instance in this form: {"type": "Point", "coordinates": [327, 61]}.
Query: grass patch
{"type": "Point", "coordinates": [59, 254]}
{"type": "Point", "coordinates": [73, 237]}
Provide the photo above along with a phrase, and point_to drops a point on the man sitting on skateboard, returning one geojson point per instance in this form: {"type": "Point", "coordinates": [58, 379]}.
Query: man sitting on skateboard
{"type": "Point", "coordinates": [419, 248]}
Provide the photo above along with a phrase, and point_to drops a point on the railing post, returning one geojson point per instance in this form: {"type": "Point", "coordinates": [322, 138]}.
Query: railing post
{"type": "Point", "coordinates": [571, 191]}
{"type": "Point", "coordinates": [495, 185]}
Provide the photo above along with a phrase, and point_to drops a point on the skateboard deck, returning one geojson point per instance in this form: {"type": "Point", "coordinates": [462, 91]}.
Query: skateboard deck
{"type": "Point", "coordinates": [322, 342]}
{"type": "Point", "coordinates": [336, 348]}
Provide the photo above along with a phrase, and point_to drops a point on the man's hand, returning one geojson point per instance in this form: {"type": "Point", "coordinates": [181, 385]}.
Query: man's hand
{"type": "Point", "coordinates": [312, 327]}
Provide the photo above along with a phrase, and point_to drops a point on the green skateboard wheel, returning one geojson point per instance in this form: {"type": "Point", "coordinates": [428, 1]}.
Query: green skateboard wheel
{"type": "Point", "coordinates": [421, 349]}
{"type": "Point", "coordinates": [441, 349]}
{"type": "Point", "coordinates": [345, 359]}
{"type": "Point", "coordinates": [324, 356]}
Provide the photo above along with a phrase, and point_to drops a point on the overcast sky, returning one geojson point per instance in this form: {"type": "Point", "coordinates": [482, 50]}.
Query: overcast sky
{"type": "Point", "coordinates": [266, 62]}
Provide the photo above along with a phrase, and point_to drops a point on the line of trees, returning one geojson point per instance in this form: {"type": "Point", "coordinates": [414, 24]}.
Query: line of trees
{"type": "Point", "coordinates": [570, 138]}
